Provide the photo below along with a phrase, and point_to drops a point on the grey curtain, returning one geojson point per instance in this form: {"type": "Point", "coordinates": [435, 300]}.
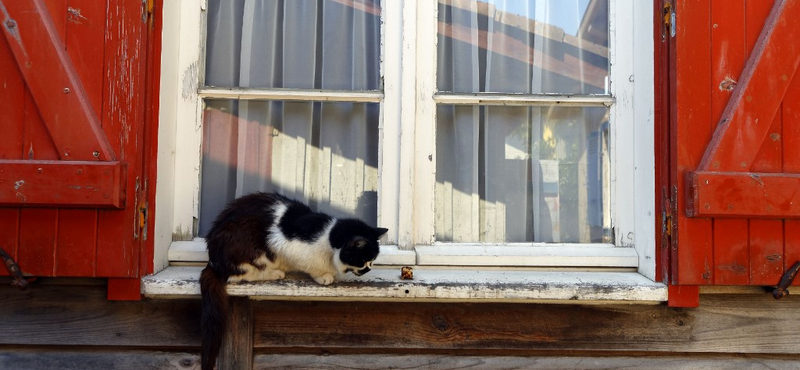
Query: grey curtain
{"type": "Point", "coordinates": [323, 153]}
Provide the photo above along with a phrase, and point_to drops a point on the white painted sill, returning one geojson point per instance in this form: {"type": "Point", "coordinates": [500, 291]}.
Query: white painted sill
{"type": "Point", "coordinates": [430, 284]}
{"type": "Point", "coordinates": [436, 278]}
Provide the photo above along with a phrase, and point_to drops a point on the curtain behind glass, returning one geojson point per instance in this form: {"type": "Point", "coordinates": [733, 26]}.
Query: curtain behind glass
{"type": "Point", "coordinates": [517, 174]}
{"type": "Point", "coordinates": [325, 154]}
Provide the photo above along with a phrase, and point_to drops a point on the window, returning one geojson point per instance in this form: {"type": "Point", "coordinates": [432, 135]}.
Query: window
{"type": "Point", "coordinates": [480, 132]}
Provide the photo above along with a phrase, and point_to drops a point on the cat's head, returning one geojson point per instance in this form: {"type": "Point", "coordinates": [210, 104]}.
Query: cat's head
{"type": "Point", "coordinates": [358, 246]}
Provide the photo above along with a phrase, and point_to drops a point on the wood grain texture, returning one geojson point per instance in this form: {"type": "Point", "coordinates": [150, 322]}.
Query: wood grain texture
{"type": "Point", "coordinates": [409, 362]}
{"type": "Point", "coordinates": [80, 317]}
{"type": "Point", "coordinates": [237, 347]}
{"type": "Point", "coordinates": [692, 259]}
{"type": "Point", "coordinates": [118, 242]}
{"type": "Point", "coordinates": [728, 55]}
{"type": "Point", "coordinates": [50, 75]}
{"type": "Point", "coordinates": [725, 324]}
{"type": "Point", "coordinates": [159, 360]}
{"type": "Point", "coordinates": [96, 360]}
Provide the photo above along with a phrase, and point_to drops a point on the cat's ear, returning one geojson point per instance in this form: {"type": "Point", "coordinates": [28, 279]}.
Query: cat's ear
{"type": "Point", "coordinates": [358, 242]}
{"type": "Point", "coordinates": [380, 231]}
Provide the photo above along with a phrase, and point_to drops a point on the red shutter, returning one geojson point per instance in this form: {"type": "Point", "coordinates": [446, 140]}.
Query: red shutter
{"type": "Point", "coordinates": [735, 142]}
{"type": "Point", "coordinates": [71, 154]}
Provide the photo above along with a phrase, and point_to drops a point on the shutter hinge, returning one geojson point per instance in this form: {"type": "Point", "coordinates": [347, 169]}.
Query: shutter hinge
{"type": "Point", "coordinates": [667, 214]}
{"type": "Point", "coordinates": [147, 10]}
{"type": "Point", "coordinates": [668, 20]}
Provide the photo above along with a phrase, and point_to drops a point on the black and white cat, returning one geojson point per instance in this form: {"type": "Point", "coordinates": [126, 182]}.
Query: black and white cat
{"type": "Point", "coordinates": [263, 236]}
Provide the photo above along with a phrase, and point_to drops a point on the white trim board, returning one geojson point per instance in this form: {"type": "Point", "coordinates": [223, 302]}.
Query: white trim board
{"type": "Point", "coordinates": [513, 255]}
{"type": "Point", "coordinates": [384, 284]}
{"type": "Point", "coordinates": [195, 251]}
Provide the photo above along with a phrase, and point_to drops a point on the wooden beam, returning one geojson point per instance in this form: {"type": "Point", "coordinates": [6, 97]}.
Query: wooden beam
{"type": "Point", "coordinates": [760, 90]}
{"type": "Point", "coordinates": [237, 347]}
{"type": "Point", "coordinates": [53, 81]}
{"type": "Point", "coordinates": [62, 184]}
{"type": "Point", "coordinates": [752, 324]}
{"type": "Point", "coordinates": [743, 194]}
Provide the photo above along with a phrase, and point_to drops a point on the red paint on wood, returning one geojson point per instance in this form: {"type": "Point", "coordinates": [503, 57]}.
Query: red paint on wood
{"type": "Point", "coordinates": [766, 252]}
{"type": "Point", "coordinates": [731, 253]}
{"type": "Point", "coordinates": [791, 163]}
{"type": "Point", "coordinates": [660, 141]}
{"type": "Point", "coordinates": [743, 194]}
{"type": "Point", "coordinates": [51, 77]}
{"type": "Point", "coordinates": [119, 240]}
{"type": "Point", "coordinates": [9, 233]}
{"type": "Point", "coordinates": [692, 256]}
{"type": "Point", "coordinates": [746, 121]}
{"type": "Point", "coordinates": [85, 45]}
{"type": "Point", "coordinates": [36, 141]}
{"type": "Point", "coordinates": [12, 94]}
{"type": "Point", "coordinates": [62, 183]}
{"type": "Point", "coordinates": [37, 241]}
{"type": "Point", "coordinates": [728, 55]}
{"type": "Point", "coordinates": [683, 296]}
{"type": "Point", "coordinates": [152, 90]}
{"type": "Point", "coordinates": [77, 239]}
{"type": "Point", "coordinates": [121, 289]}
{"type": "Point", "coordinates": [766, 236]}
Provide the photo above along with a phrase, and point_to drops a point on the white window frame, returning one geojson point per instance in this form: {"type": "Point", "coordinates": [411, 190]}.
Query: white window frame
{"type": "Point", "coordinates": [407, 162]}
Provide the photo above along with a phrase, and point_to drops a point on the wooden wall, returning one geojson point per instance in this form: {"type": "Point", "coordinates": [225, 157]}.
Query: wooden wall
{"type": "Point", "coordinates": [60, 326]}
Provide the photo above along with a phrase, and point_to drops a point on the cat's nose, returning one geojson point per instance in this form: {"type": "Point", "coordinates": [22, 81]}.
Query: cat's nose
{"type": "Point", "coordinates": [363, 271]}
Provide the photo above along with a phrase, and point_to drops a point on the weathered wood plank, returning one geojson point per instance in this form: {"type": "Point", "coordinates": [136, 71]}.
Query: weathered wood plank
{"type": "Point", "coordinates": [237, 347]}
{"type": "Point", "coordinates": [39, 359]}
{"type": "Point", "coordinates": [351, 362]}
{"type": "Point", "coordinates": [81, 316]}
{"type": "Point", "coordinates": [156, 360]}
{"type": "Point", "coordinates": [722, 323]}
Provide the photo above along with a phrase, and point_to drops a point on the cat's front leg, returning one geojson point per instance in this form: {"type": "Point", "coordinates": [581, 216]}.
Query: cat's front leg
{"type": "Point", "coordinates": [268, 274]}
{"type": "Point", "coordinates": [324, 279]}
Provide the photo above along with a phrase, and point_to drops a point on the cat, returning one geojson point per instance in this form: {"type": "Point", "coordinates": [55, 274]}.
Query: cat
{"type": "Point", "coordinates": [262, 236]}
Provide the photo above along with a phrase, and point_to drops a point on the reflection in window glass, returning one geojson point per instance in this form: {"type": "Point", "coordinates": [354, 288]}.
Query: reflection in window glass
{"type": "Point", "coordinates": [330, 163]}
{"type": "Point", "coordinates": [308, 44]}
{"type": "Point", "coordinates": [522, 174]}
{"type": "Point", "coordinates": [523, 46]}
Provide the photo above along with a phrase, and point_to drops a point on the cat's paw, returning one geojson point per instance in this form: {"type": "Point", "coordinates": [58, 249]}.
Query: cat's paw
{"type": "Point", "coordinates": [326, 279]}
{"type": "Point", "coordinates": [274, 275]}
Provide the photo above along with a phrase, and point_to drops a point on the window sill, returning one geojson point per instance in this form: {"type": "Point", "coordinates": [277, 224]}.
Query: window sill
{"type": "Point", "coordinates": [431, 284]}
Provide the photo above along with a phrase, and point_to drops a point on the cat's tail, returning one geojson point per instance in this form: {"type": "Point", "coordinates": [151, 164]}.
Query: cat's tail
{"type": "Point", "coordinates": [214, 315]}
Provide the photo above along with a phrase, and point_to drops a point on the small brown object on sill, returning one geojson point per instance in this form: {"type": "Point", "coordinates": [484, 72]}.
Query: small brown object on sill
{"type": "Point", "coordinates": [406, 273]}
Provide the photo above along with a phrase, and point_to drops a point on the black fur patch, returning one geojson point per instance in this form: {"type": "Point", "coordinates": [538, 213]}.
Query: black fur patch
{"type": "Point", "coordinates": [300, 222]}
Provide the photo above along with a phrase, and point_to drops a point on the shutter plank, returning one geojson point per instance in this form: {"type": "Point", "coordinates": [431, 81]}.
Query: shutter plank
{"type": "Point", "coordinates": [766, 236]}
{"type": "Point", "coordinates": [37, 44]}
{"type": "Point", "coordinates": [791, 164]}
{"type": "Point", "coordinates": [692, 262]}
{"type": "Point", "coordinates": [728, 55]}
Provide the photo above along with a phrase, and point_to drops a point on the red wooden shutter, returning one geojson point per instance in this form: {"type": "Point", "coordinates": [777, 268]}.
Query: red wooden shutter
{"type": "Point", "coordinates": [735, 142]}
{"type": "Point", "coordinates": [71, 152]}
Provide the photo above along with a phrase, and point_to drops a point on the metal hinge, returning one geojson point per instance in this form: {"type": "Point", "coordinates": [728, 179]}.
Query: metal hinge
{"type": "Point", "coordinates": [143, 220]}
{"type": "Point", "coordinates": [668, 19]}
{"type": "Point", "coordinates": [667, 213]}
{"type": "Point", "coordinates": [147, 10]}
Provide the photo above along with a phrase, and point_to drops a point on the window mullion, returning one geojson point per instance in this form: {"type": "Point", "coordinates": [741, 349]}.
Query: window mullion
{"type": "Point", "coordinates": [425, 122]}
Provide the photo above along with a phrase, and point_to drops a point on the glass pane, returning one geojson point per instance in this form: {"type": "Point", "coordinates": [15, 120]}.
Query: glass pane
{"type": "Point", "coordinates": [330, 163]}
{"type": "Point", "coordinates": [321, 44]}
{"type": "Point", "coordinates": [522, 174]}
{"type": "Point", "coordinates": [523, 46]}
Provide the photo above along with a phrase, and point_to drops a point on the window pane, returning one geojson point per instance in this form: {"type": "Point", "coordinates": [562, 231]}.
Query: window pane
{"type": "Point", "coordinates": [516, 46]}
{"type": "Point", "coordinates": [330, 163]}
{"type": "Point", "coordinates": [522, 174]}
{"type": "Point", "coordinates": [322, 44]}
